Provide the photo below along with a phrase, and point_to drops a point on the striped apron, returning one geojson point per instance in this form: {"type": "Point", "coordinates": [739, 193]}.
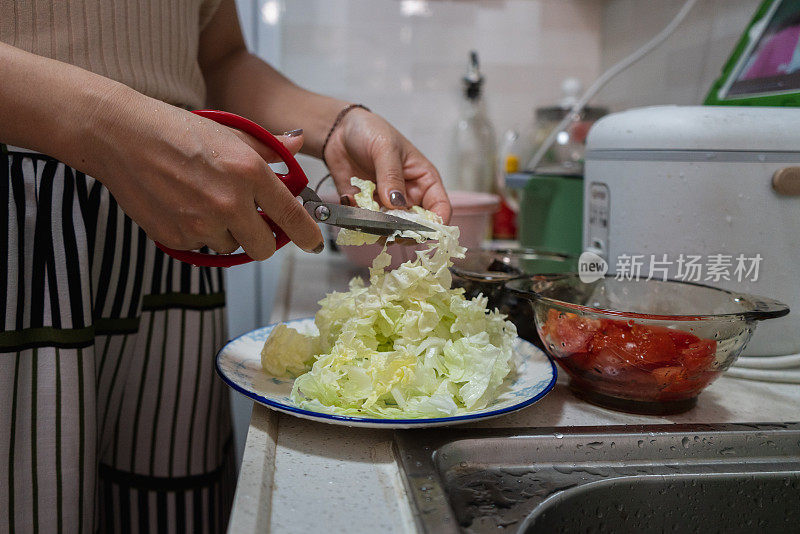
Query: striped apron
{"type": "Point", "coordinates": [113, 418]}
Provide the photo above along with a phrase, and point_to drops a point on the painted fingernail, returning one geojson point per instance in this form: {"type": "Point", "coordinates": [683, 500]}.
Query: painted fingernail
{"type": "Point", "coordinates": [319, 248]}
{"type": "Point", "coordinates": [344, 200]}
{"type": "Point", "coordinates": [294, 133]}
{"type": "Point", "coordinates": [397, 198]}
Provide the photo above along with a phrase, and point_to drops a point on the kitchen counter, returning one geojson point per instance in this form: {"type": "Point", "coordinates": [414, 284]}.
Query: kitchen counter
{"type": "Point", "coordinates": [302, 476]}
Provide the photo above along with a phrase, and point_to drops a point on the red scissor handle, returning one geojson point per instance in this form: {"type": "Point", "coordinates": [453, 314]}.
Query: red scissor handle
{"type": "Point", "coordinates": [295, 180]}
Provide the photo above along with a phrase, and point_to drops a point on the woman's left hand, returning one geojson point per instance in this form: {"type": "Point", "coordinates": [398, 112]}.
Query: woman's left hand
{"type": "Point", "coordinates": [366, 146]}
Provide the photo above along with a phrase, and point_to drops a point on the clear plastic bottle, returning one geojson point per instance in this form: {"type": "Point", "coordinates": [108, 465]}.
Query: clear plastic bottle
{"type": "Point", "coordinates": [474, 152]}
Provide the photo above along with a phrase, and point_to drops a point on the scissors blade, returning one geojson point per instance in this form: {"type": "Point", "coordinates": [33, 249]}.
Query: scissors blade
{"type": "Point", "coordinates": [371, 222]}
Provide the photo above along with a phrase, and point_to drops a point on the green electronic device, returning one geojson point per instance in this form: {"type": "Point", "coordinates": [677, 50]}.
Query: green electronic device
{"type": "Point", "coordinates": [764, 68]}
{"type": "Point", "coordinates": [551, 211]}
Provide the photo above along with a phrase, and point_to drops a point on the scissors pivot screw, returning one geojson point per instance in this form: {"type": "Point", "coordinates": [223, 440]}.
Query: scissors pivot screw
{"type": "Point", "coordinates": [322, 213]}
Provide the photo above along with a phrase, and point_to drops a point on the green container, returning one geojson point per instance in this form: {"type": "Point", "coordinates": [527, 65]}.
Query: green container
{"type": "Point", "coordinates": [551, 213]}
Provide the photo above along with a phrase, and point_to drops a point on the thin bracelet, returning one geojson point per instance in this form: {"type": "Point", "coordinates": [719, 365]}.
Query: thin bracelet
{"type": "Point", "coordinates": [347, 109]}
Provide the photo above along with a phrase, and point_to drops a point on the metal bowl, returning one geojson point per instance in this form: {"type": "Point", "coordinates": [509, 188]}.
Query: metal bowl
{"type": "Point", "coordinates": [486, 272]}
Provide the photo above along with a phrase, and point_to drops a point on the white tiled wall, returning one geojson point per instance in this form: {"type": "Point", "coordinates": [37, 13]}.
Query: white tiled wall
{"type": "Point", "coordinates": [682, 70]}
{"type": "Point", "coordinates": [405, 58]}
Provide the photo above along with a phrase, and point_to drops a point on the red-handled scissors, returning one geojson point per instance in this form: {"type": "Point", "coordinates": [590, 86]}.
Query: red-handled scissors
{"type": "Point", "coordinates": [371, 222]}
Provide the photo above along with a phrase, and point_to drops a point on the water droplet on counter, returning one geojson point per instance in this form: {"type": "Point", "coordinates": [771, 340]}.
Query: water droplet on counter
{"type": "Point", "coordinates": [685, 443]}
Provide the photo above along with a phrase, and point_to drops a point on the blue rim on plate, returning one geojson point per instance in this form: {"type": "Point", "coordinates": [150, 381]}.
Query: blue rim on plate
{"type": "Point", "coordinates": [369, 420]}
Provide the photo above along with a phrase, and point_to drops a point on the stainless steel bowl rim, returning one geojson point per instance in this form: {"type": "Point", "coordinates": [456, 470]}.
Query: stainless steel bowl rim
{"type": "Point", "coordinates": [499, 276]}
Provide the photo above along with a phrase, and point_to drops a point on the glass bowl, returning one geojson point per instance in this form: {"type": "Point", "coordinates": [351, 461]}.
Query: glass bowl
{"type": "Point", "coordinates": [644, 346]}
{"type": "Point", "coordinates": [486, 272]}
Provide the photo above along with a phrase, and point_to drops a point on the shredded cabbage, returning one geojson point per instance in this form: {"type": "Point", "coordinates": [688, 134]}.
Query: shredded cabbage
{"type": "Point", "coordinates": [364, 199]}
{"type": "Point", "coordinates": [405, 345]}
{"type": "Point", "coordinates": [287, 352]}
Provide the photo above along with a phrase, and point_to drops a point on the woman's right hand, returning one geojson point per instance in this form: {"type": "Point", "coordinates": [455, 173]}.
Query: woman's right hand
{"type": "Point", "coordinates": [189, 181]}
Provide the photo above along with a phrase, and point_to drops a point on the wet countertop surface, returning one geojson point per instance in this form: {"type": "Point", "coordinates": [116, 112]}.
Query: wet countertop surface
{"type": "Point", "coordinates": [302, 476]}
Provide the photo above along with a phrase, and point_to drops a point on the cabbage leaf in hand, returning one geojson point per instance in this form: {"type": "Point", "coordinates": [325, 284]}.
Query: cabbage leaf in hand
{"type": "Point", "coordinates": [403, 345]}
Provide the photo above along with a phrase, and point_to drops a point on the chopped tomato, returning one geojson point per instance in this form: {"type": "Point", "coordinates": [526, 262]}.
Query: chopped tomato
{"type": "Point", "coordinates": [699, 355]}
{"type": "Point", "coordinates": [688, 387]}
{"type": "Point", "coordinates": [628, 359]}
{"type": "Point", "coordinates": [568, 332]}
{"type": "Point", "coordinates": [607, 363]}
{"type": "Point", "coordinates": [668, 375]}
{"type": "Point", "coordinates": [682, 339]}
{"type": "Point", "coordinates": [640, 346]}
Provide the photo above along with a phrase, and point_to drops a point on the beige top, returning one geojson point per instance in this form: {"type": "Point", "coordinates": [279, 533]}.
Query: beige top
{"type": "Point", "coordinates": [149, 45]}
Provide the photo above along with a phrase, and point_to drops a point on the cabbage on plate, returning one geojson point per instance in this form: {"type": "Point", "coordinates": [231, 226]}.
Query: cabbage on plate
{"type": "Point", "coordinates": [403, 345]}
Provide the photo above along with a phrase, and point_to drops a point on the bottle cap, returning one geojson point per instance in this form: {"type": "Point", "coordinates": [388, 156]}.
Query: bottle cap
{"type": "Point", "coordinates": [473, 79]}
{"type": "Point", "coordinates": [571, 89]}
{"type": "Point", "coordinates": [512, 163]}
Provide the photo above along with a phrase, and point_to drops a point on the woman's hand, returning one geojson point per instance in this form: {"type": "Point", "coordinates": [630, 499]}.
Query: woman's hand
{"type": "Point", "coordinates": [366, 146]}
{"type": "Point", "coordinates": [188, 181]}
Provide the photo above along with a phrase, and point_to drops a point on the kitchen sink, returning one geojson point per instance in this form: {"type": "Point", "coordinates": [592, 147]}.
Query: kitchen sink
{"type": "Point", "coordinates": [663, 478]}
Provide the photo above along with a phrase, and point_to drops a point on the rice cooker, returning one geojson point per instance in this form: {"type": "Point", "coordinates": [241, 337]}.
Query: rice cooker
{"type": "Point", "coordinates": [714, 187]}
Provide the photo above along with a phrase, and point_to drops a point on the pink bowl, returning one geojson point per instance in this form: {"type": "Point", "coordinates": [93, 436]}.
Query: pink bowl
{"type": "Point", "coordinates": [472, 213]}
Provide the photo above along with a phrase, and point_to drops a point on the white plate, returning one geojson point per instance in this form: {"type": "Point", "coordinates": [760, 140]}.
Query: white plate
{"type": "Point", "coordinates": [239, 365]}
